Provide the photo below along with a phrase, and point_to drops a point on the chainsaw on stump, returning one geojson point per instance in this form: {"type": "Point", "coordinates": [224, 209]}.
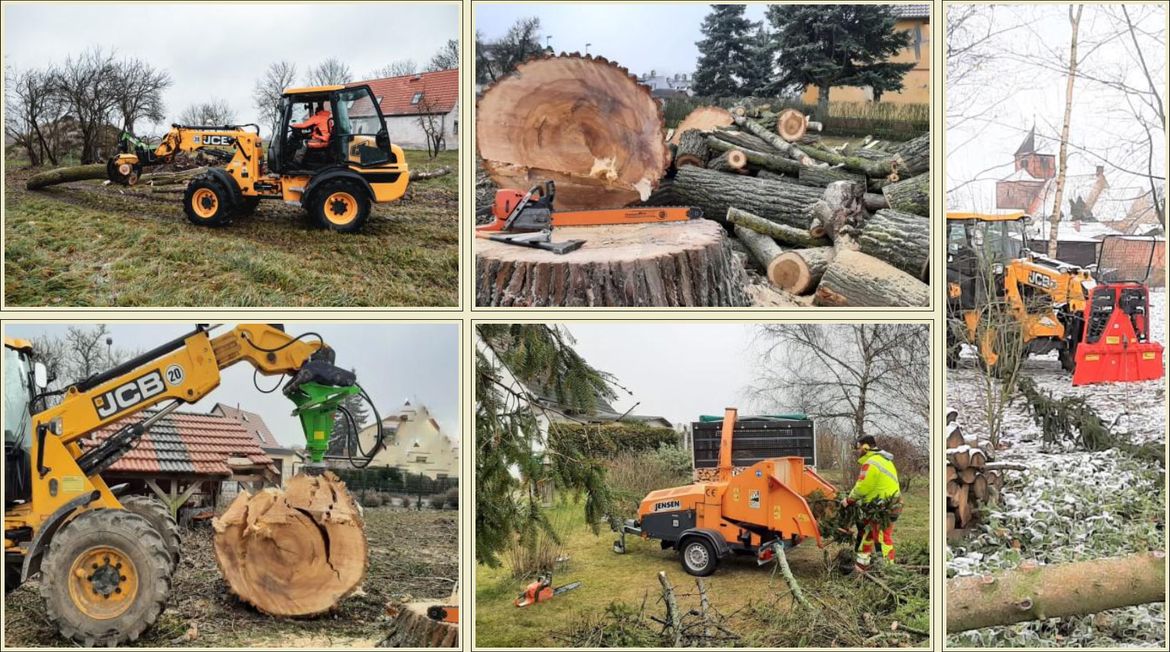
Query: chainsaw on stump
{"type": "Point", "coordinates": [542, 591]}
{"type": "Point", "coordinates": [526, 219]}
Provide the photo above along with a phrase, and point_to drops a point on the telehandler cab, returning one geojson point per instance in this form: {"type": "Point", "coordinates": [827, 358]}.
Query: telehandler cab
{"type": "Point", "coordinates": [335, 184]}
{"type": "Point", "coordinates": [105, 559]}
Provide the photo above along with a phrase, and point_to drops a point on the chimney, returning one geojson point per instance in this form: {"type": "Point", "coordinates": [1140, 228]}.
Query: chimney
{"type": "Point", "coordinates": [653, 73]}
{"type": "Point", "coordinates": [1099, 186]}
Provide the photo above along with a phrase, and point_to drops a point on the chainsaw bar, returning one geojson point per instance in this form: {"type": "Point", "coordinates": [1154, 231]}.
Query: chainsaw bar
{"type": "Point", "coordinates": [638, 215]}
{"type": "Point", "coordinates": [566, 588]}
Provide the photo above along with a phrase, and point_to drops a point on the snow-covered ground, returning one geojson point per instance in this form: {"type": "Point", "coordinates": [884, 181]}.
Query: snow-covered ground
{"type": "Point", "coordinates": [1069, 505]}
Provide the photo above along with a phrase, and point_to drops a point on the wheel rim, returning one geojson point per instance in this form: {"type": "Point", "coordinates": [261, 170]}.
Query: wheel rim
{"type": "Point", "coordinates": [103, 582]}
{"type": "Point", "coordinates": [696, 556]}
{"type": "Point", "coordinates": [204, 202]}
{"type": "Point", "coordinates": [341, 208]}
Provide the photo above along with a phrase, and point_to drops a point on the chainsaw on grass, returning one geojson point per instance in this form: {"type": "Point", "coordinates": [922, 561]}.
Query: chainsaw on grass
{"type": "Point", "coordinates": [527, 219]}
{"type": "Point", "coordinates": [542, 591]}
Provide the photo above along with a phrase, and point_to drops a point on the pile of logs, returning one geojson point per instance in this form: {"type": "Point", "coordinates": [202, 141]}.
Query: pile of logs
{"type": "Point", "coordinates": [844, 228]}
{"type": "Point", "coordinates": [973, 479]}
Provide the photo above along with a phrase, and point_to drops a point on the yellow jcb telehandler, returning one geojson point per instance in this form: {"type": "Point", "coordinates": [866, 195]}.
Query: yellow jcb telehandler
{"type": "Point", "coordinates": [335, 179]}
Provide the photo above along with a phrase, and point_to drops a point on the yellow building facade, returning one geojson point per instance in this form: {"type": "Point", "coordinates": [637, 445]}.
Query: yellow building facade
{"type": "Point", "coordinates": [914, 19]}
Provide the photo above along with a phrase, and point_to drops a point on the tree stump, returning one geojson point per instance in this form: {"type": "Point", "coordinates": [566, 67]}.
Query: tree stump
{"type": "Point", "coordinates": [672, 264]}
{"type": "Point", "coordinates": [293, 552]}
{"type": "Point", "coordinates": [410, 627]}
{"type": "Point", "coordinates": [582, 122]}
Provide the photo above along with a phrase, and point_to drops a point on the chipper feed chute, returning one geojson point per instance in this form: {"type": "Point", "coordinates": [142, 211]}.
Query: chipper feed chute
{"type": "Point", "coordinates": [1115, 347]}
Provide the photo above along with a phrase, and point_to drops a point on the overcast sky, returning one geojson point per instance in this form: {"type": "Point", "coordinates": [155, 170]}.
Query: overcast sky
{"type": "Point", "coordinates": [642, 37]}
{"type": "Point", "coordinates": [220, 50]}
{"type": "Point", "coordinates": [1016, 92]}
{"type": "Point", "coordinates": [675, 370]}
{"type": "Point", "coordinates": [394, 362]}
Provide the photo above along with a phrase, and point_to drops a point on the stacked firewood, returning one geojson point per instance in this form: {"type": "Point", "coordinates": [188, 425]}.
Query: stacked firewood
{"type": "Point", "coordinates": [843, 227]}
{"type": "Point", "coordinates": [972, 479]}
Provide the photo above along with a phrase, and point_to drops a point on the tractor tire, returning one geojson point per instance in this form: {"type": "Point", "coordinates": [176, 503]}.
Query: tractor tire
{"type": "Point", "coordinates": [159, 515]}
{"type": "Point", "coordinates": [12, 572]}
{"type": "Point", "coordinates": [340, 205]}
{"type": "Point", "coordinates": [1068, 358]}
{"type": "Point", "coordinates": [698, 557]}
{"type": "Point", "coordinates": [207, 202]}
{"type": "Point", "coordinates": [129, 584]}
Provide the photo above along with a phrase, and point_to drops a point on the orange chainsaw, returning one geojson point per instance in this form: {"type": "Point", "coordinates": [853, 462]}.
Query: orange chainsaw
{"type": "Point", "coordinates": [527, 218]}
{"type": "Point", "coordinates": [542, 591]}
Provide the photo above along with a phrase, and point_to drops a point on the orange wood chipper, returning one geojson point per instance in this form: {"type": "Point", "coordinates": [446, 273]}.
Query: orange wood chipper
{"type": "Point", "coordinates": [749, 513]}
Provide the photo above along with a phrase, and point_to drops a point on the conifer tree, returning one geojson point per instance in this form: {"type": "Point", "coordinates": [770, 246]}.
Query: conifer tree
{"type": "Point", "coordinates": [761, 63]}
{"type": "Point", "coordinates": [724, 55]}
{"type": "Point", "coordinates": [837, 45]}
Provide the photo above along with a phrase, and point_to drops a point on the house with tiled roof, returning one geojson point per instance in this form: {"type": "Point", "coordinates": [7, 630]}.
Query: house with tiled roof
{"type": "Point", "coordinates": [286, 460]}
{"type": "Point", "coordinates": [186, 455]}
{"type": "Point", "coordinates": [412, 105]}
{"type": "Point", "coordinates": [416, 443]}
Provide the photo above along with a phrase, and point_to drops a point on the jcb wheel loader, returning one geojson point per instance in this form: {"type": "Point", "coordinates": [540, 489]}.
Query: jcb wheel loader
{"type": "Point", "coordinates": [336, 185]}
{"type": "Point", "coordinates": [105, 560]}
{"type": "Point", "coordinates": [763, 506]}
{"type": "Point", "coordinates": [1096, 319]}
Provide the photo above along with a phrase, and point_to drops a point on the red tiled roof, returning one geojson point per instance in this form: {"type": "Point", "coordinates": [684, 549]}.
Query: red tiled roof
{"type": "Point", "coordinates": [251, 421]}
{"type": "Point", "coordinates": [440, 91]}
{"type": "Point", "coordinates": [183, 443]}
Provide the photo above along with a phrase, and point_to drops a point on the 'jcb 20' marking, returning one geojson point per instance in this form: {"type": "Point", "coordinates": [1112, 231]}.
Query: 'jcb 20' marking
{"type": "Point", "coordinates": [129, 394]}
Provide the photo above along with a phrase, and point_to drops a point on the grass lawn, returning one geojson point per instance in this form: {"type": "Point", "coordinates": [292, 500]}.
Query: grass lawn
{"type": "Point", "coordinates": [88, 244]}
{"type": "Point", "coordinates": [756, 603]}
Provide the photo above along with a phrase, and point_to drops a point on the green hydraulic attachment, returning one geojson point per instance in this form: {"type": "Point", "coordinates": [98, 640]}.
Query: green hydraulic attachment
{"type": "Point", "coordinates": [316, 406]}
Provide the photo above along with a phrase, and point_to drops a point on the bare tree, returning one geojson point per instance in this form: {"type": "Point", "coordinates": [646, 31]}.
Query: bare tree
{"type": "Point", "coordinates": [78, 354]}
{"type": "Point", "coordinates": [1074, 20]}
{"type": "Point", "coordinates": [853, 373]}
{"type": "Point", "coordinates": [31, 112]}
{"type": "Point", "coordinates": [88, 84]}
{"type": "Point", "coordinates": [446, 58]}
{"type": "Point", "coordinates": [138, 92]}
{"type": "Point", "coordinates": [215, 112]}
{"type": "Point", "coordinates": [395, 69]}
{"type": "Point", "coordinates": [329, 72]}
{"type": "Point", "coordinates": [496, 59]}
{"type": "Point", "coordinates": [433, 125]}
{"type": "Point", "coordinates": [270, 87]}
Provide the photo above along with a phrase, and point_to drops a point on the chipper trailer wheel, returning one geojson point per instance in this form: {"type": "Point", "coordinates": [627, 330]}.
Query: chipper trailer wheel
{"type": "Point", "coordinates": [207, 202]}
{"type": "Point", "coordinates": [159, 516]}
{"type": "Point", "coordinates": [105, 578]}
{"type": "Point", "coordinates": [340, 205]}
{"type": "Point", "coordinates": [698, 557]}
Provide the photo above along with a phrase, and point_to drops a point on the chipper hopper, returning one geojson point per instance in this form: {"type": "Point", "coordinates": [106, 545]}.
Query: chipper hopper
{"type": "Point", "coordinates": [748, 513]}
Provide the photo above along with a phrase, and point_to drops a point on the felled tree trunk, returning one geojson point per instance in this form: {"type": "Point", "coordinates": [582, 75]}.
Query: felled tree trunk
{"type": "Point", "coordinates": [780, 145]}
{"type": "Point", "coordinates": [782, 233]}
{"type": "Point", "coordinates": [900, 239]}
{"type": "Point", "coordinates": [293, 552]}
{"type": "Point", "coordinates": [822, 177]}
{"type": "Point", "coordinates": [673, 264]}
{"type": "Point", "coordinates": [692, 149]}
{"type": "Point", "coordinates": [732, 161]}
{"type": "Point", "coordinates": [913, 156]}
{"type": "Point", "coordinates": [703, 118]}
{"type": "Point", "coordinates": [859, 280]}
{"type": "Point", "coordinates": [1034, 592]}
{"type": "Point", "coordinates": [909, 195]}
{"type": "Point", "coordinates": [65, 175]}
{"type": "Point", "coordinates": [800, 270]}
{"type": "Point", "coordinates": [763, 249]}
{"type": "Point", "coordinates": [582, 122]}
{"type": "Point", "coordinates": [715, 192]}
{"type": "Point", "coordinates": [771, 162]}
{"type": "Point", "coordinates": [410, 627]}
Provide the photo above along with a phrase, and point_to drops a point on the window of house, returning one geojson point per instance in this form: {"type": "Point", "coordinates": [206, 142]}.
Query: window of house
{"type": "Point", "coordinates": [455, 127]}
{"type": "Point", "coordinates": [421, 459]}
{"type": "Point", "coordinates": [417, 98]}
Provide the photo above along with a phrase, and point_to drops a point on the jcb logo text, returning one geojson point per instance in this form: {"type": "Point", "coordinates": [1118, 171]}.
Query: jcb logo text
{"type": "Point", "coordinates": [129, 394]}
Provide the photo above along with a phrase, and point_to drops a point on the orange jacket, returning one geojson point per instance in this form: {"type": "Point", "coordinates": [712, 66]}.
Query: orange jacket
{"type": "Point", "coordinates": [319, 122]}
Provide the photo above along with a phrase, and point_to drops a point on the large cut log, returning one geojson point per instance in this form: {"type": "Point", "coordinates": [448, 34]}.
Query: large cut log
{"type": "Point", "coordinates": [858, 280]}
{"type": "Point", "coordinates": [822, 177]}
{"type": "Point", "coordinates": [293, 552]}
{"type": "Point", "coordinates": [692, 149]}
{"type": "Point", "coordinates": [703, 118]}
{"type": "Point", "coordinates": [410, 627]}
{"type": "Point", "coordinates": [733, 161]}
{"type": "Point", "coordinates": [1035, 592]}
{"type": "Point", "coordinates": [715, 192]}
{"type": "Point", "coordinates": [913, 156]}
{"type": "Point", "coordinates": [964, 511]}
{"type": "Point", "coordinates": [782, 233]}
{"type": "Point", "coordinates": [673, 264]}
{"type": "Point", "coordinates": [771, 162]}
{"type": "Point", "coordinates": [840, 211]}
{"type": "Point", "coordinates": [791, 125]}
{"type": "Point", "coordinates": [742, 139]}
{"type": "Point", "coordinates": [909, 195]}
{"type": "Point", "coordinates": [65, 175]}
{"type": "Point", "coordinates": [763, 249]}
{"type": "Point", "coordinates": [778, 143]}
{"type": "Point", "coordinates": [582, 122]}
{"type": "Point", "coordinates": [798, 271]}
{"type": "Point", "coordinates": [900, 239]}
{"type": "Point", "coordinates": [884, 167]}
